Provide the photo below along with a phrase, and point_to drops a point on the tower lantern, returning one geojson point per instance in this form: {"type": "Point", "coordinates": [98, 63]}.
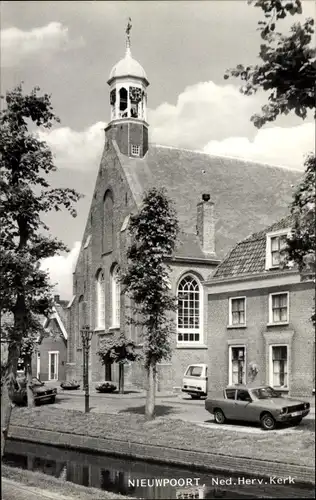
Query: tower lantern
{"type": "Point", "coordinates": [128, 101]}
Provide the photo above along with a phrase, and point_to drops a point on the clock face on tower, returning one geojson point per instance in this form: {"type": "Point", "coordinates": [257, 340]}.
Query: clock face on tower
{"type": "Point", "coordinates": [135, 94]}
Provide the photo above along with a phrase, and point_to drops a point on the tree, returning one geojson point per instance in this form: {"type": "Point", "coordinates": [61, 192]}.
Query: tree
{"type": "Point", "coordinates": [118, 349]}
{"type": "Point", "coordinates": [26, 196]}
{"type": "Point", "coordinates": [288, 70]}
{"type": "Point", "coordinates": [153, 231]}
{"type": "Point", "coordinates": [288, 73]}
{"type": "Point", "coordinates": [301, 243]}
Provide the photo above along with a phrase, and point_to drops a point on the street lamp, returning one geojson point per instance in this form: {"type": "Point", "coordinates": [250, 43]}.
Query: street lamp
{"type": "Point", "coordinates": [86, 336]}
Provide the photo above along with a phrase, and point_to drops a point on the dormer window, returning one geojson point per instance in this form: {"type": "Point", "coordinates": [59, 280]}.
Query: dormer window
{"type": "Point", "coordinates": [276, 244]}
{"type": "Point", "coordinates": [135, 150]}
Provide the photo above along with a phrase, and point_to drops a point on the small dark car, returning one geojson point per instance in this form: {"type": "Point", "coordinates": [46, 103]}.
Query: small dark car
{"type": "Point", "coordinates": [41, 392]}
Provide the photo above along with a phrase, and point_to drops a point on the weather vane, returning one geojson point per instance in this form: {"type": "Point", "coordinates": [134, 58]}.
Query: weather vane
{"type": "Point", "coordinates": [128, 36]}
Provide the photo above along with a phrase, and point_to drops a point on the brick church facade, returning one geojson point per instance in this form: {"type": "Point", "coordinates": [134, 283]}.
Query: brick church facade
{"type": "Point", "coordinates": [219, 201]}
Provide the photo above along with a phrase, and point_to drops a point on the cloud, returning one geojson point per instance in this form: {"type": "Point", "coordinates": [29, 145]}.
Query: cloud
{"type": "Point", "coordinates": [207, 117]}
{"type": "Point", "coordinates": [18, 45]}
{"type": "Point", "coordinates": [76, 150]}
{"type": "Point", "coordinates": [60, 268]}
{"type": "Point", "coordinates": [276, 145]}
{"type": "Point", "coordinates": [203, 111]}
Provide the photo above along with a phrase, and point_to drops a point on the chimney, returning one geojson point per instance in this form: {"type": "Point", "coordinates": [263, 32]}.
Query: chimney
{"type": "Point", "coordinates": [56, 298]}
{"type": "Point", "coordinates": [205, 226]}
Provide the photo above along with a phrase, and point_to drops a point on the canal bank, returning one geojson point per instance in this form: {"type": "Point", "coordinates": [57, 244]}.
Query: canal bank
{"type": "Point", "coordinates": [170, 442]}
{"type": "Point", "coordinates": [95, 476]}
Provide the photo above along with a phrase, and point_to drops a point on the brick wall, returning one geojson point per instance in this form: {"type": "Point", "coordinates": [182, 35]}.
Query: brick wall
{"type": "Point", "coordinates": [257, 336]}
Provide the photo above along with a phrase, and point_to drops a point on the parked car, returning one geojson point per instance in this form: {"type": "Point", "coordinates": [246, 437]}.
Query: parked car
{"type": "Point", "coordinates": [260, 404]}
{"type": "Point", "coordinates": [195, 381]}
{"type": "Point", "coordinates": [41, 392]}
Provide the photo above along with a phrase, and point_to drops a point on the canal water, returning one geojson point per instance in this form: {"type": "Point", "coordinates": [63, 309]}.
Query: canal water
{"type": "Point", "coordinates": [141, 479]}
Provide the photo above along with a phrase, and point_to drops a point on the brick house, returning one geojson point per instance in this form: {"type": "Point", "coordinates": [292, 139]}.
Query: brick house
{"type": "Point", "coordinates": [241, 197]}
{"type": "Point", "coordinates": [260, 315]}
{"type": "Point", "coordinates": [49, 359]}
{"type": "Point", "coordinates": [50, 353]}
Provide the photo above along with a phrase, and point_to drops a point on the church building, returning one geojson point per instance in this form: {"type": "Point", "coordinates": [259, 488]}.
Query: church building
{"type": "Point", "coordinates": [219, 201]}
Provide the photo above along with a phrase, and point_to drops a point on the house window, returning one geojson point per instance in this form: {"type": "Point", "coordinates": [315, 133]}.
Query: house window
{"type": "Point", "coordinates": [100, 319]}
{"type": "Point", "coordinates": [135, 150]}
{"type": "Point", "coordinates": [276, 245]}
{"type": "Point", "coordinates": [237, 364]}
{"type": "Point", "coordinates": [53, 365]}
{"type": "Point", "coordinates": [189, 321]}
{"type": "Point", "coordinates": [279, 366]}
{"type": "Point", "coordinates": [237, 311]}
{"type": "Point", "coordinates": [116, 298]}
{"type": "Point", "coordinates": [279, 308]}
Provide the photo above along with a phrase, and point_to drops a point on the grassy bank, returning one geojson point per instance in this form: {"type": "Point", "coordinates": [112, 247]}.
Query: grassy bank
{"type": "Point", "coordinates": [49, 483]}
{"type": "Point", "coordinates": [296, 447]}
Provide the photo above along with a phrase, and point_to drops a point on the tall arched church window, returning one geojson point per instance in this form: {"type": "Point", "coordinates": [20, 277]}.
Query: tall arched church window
{"type": "Point", "coordinates": [116, 298]}
{"type": "Point", "coordinates": [189, 317]}
{"type": "Point", "coordinates": [100, 292]}
{"type": "Point", "coordinates": [108, 223]}
{"type": "Point", "coordinates": [81, 318]}
{"type": "Point", "coordinates": [123, 102]}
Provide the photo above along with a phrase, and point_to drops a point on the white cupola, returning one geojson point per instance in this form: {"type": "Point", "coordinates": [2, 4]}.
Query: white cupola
{"type": "Point", "coordinates": [128, 101]}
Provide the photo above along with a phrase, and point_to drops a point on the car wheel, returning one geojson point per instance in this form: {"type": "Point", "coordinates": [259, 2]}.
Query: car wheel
{"type": "Point", "coordinates": [52, 399]}
{"type": "Point", "coordinates": [267, 422]}
{"type": "Point", "coordinates": [219, 416]}
{"type": "Point", "coordinates": [195, 396]}
{"type": "Point", "coordinates": [24, 401]}
{"type": "Point", "coordinates": [297, 421]}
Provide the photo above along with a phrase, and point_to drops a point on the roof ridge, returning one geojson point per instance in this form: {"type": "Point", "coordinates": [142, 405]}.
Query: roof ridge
{"type": "Point", "coordinates": [238, 158]}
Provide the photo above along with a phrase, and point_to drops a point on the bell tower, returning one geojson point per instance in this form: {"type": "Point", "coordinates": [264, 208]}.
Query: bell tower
{"type": "Point", "coordinates": [128, 101]}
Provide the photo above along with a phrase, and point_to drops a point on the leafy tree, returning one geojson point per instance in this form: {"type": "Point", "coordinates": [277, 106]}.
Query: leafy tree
{"type": "Point", "coordinates": [301, 243]}
{"type": "Point", "coordinates": [153, 231]}
{"type": "Point", "coordinates": [26, 197]}
{"type": "Point", "coordinates": [287, 70]}
{"type": "Point", "coordinates": [118, 349]}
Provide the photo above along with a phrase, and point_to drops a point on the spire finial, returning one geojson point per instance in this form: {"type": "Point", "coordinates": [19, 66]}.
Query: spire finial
{"type": "Point", "coordinates": [128, 36]}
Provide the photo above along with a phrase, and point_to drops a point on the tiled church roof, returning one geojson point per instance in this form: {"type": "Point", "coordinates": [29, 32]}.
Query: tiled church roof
{"type": "Point", "coordinates": [248, 196]}
{"type": "Point", "coordinates": [248, 256]}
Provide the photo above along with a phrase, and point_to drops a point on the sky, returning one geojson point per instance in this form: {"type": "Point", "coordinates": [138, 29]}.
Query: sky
{"type": "Point", "coordinates": [68, 48]}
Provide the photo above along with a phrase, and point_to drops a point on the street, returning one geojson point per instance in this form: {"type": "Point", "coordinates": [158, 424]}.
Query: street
{"type": "Point", "coordinates": [175, 407]}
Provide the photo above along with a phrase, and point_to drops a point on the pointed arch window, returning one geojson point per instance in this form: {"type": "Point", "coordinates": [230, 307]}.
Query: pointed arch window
{"type": "Point", "coordinates": [81, 318]}
{"type": "Point", "coordinates": [190, 310]}
{"type": "Point", "coordinates": [100, 292]}
{"type": "Point", "coordinates": [108, 223]}
{"type": "Point", "coordinates": [116, 298]}
{"type": "Point", "coordinates": [123, 102]}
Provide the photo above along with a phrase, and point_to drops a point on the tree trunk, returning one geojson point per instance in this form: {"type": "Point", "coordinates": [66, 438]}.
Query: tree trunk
{"type": "Point", "coordinates": [28, 374]}
{"type": "Point", "coordinates": [151, 390]}
{"type": "Point", "coordinates": [121, 378]}
{"type": "Point", "coordinates": [8, 391]}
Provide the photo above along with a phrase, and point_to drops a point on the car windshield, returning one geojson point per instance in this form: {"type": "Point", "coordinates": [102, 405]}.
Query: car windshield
{"type": "Point", "coordinates": [36, 382]}
{"type": "Point", "coordinates": [265, 393]}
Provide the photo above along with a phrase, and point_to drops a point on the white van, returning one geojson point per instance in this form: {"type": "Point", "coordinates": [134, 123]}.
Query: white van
{"type": "Point", "coordinates": [195, 381]}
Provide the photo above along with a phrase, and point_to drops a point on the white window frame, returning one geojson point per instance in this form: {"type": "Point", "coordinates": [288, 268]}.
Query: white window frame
{"type": "Point", "coordinates": [274, 234]}
{"type": "Point", "coordinates": [100, 312]}
{"type": "Point", "coordinates": [135, 150]}
{"type": "Point", "coordinates": [230, 360]}
{"type": "Point", "coordinates": [230, 312]}
{"type": "Point", "coordinates": [116, 298]}
{"type": "Point", "coordinates": [271, 346]}
{"type": "Point", "coordinates": [50, 363]}
{"type": "Point", "coordinates": [199, 330]}
{"type": "Point", "coordinates": [38, 364]}
{"type": "Point", "coordinates": [271, 322]}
